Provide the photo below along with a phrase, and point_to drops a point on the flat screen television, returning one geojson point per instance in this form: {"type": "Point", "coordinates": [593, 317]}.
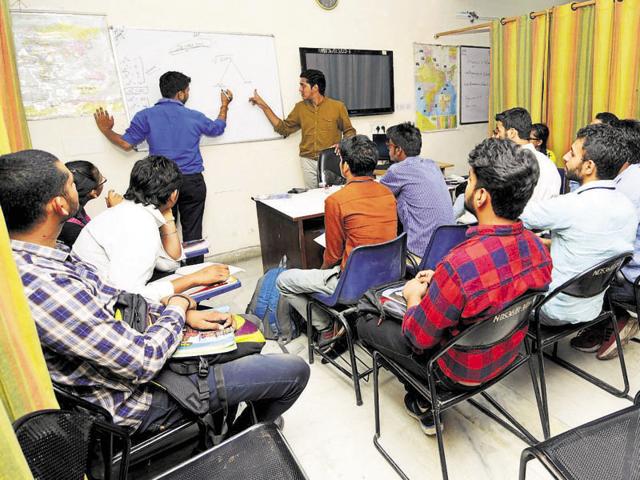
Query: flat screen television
{"type": "Point", "coordinates": [361, 79]}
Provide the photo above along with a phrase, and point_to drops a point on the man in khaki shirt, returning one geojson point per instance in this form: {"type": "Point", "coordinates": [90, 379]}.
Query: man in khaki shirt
{"type": "Point", "coordinates": [323, 120]}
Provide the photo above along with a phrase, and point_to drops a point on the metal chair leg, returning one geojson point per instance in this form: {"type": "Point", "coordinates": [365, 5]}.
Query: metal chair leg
{"type": "Point", "coordinates": [546, 427]}
{"type": "Point", "coordinates": [310, 331]}
{"type": "Point", "coordinates": [352, 356]}
{"type": "Point", "coordinates": [544, 420]}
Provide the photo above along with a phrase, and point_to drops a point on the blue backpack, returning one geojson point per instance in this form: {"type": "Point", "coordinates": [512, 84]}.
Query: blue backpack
{"type": "Point", "coordinates": [278, 319]}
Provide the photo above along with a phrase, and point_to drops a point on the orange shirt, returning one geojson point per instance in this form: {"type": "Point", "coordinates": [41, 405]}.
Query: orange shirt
{"type": "Point", "coordinates": [363, 212]}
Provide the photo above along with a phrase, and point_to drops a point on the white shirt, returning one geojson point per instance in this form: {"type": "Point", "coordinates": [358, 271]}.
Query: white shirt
{"type": "Point", "coordinates": [587, 226]}
{"type": "Point", "coordinates": [124, 243]}
{"type": "Point", "coordinates": [549, 182]}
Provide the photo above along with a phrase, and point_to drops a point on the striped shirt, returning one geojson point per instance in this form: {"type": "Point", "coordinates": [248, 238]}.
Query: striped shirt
{"type": "Point", "coordinates": [477, 279]}
{"type": "Point", "coordinates": [99, 358]}
{"type": "Point", "coordinates": [424, 202]}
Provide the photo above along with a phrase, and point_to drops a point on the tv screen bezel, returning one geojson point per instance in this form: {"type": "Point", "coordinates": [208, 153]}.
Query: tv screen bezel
{"type": "Point", "coordinates": [356, 112]}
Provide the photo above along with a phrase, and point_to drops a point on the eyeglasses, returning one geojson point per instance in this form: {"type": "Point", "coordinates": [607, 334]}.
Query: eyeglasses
{"type": "Point", "coordinates": [104, 180]}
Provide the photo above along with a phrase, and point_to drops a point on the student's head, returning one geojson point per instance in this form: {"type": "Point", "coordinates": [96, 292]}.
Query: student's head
{"type": "Point", "coordinates": [501, 178]}
{"type": "Point", "coordinates": [631, 131]}
{"type": "Point", "coordinates": [539, 136]}
{"type": "Point", "coordinates": [312, 81]}
{"type": "Point", "coordinates": [605, 117]}
{"type": "Point", "coordinates": [35, 186]}
{"type": "Point", "coordinates": [88, 179]}
{"type": "Point", "coordinates": [175, 85]}
{"type": "Point", "coordinates": [359, 156]}
{"type": "Point", "coordinates": [513, 124]}
{"type": "Point", "coordinates": [155, 180]}
{"type": "Point", "coordinates": [598, 153]}
{"type": "Point", "coordinates": [404, 140]}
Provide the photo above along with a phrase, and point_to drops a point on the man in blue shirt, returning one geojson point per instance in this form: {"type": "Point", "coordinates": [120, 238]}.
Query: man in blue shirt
{"type": "Point", "coordinates": [423, 200]}
{"type": "Point", "coordinates": [587, 226]}
{"type": "Point", "coordinates": [174, 131]}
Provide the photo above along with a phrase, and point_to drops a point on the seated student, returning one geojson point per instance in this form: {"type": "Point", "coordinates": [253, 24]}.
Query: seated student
{"type": "Point", "coordinates": [589, 225]}
{"type": "Point", "coordinates": [128, 241]}
{"type": "Point", "coordinates": [89, 182]}
{"type": "Point", "coordinates": [602, 338]}
{"type": "Point", "coordinates": [423, 200]}
{"type": "Point", "coordinates": [605, 117]}
{"type": "Point", "coordinates": [538, 137]}
{"type": "Point", "coordinates": [499, 262]}
{"type": "Point", "coordinates": [363, 212]}
{"type": "Point", "coordinates": [86, 349]}
{"type": "Point", "coordinates": [515, 125]}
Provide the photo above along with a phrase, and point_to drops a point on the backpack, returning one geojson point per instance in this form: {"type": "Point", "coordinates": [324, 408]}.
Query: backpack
{"type": "Point", "coordinates": [279, 321]}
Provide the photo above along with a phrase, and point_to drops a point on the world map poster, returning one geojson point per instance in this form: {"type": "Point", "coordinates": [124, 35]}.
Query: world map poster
{"type": "Point", "coordinates": [437, 90]}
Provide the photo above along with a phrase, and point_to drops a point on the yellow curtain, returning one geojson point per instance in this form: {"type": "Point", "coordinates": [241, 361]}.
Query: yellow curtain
{"type": "Point", "coordinates": [518, 66]}
{"type": "Point", "coordinates": [570, 92]}
{"type": "Point", "coordinates": [25, 385]}
{"type": "Point", "coordinates": [14, 134]}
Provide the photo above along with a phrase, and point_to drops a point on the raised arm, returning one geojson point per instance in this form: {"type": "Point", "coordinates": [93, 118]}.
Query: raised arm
{"type": "Point", "coordinates": [258, 101]}
{"type": "Point", "coordinates": [104, 121]}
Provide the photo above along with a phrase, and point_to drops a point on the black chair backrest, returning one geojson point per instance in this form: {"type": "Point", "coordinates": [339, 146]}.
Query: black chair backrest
{"type": "Point", "coordinates": [329, 168]}
{"type": "Point", "coordinates": [55, 443]}
{"type": "Point", "coordinates": [595, 280]}
{"type": "Point", "coordinates": [497, 328]}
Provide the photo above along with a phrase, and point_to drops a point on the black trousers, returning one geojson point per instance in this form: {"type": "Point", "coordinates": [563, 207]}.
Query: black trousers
{"type": "Point", "coordinates": [190, 209]}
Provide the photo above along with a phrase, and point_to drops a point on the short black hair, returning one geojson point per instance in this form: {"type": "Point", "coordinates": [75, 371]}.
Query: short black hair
{"type": "Point", "coordinates": [315, 77]}
{"type": "Point", "coordinates": [407, 137]}
{"type": "Point", "coordinates": [607, 117]}
{"type": "Point", "coordinates": [606, 146]}
{"type": "Point", "coordinates": [86, 176]}
{"type": "Point", "coordinates": [29, 179]}
{"type": "Point", "coordinates": [517, 118]}
{"type": "Point", "coordinates": [631, 130]}
{"type": "Point", "coordinates": [541, 133]}
{"type": "Point", "coordinates": [360, 153]}
{"type": "Point", "coordinates": [507, 172]}
{"type": "Point", "coordinates": [173, 82]}
{"type": "Point", "coordinates": [153, 180]}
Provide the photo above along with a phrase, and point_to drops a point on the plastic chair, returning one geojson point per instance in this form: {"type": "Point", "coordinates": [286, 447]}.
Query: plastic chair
{"type": "Point", "coordinates": [484, 333]}
{"type": "Point", "coordinates": [608, 447]}
{"type": "Point", "coordinates": [260, 452]}
{"type": "Point", "coordinates": [368, 266]}
{"type": "Point", "coordinates": [57, 443]}
{"type": "Point", "coordinates": [329, 168]}
{"type": "Point", "coordinates": [443, 240]}
{"type": "Point", "coordinates": [587, 284]}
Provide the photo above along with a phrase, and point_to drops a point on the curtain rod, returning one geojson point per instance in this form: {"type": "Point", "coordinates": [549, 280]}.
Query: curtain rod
{"type": "Point", "coordinates": [532, 15]}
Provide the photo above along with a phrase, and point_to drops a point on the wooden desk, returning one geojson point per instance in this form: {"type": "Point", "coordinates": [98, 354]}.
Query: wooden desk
{"type": "Point", "coordinates": [442, 166]}
{"type": "Point", "coordinates": [288, 226]}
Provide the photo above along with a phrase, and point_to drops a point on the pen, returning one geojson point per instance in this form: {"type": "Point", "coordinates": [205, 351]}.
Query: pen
{"type": "Point", "coordinates": [225, 94]}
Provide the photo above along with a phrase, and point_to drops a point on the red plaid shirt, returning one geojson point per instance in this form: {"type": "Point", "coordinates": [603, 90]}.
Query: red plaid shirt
{"type": "Point", "coordinates": [478, 278]}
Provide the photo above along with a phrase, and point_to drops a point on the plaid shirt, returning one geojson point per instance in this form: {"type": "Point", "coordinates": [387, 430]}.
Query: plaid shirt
{"type": "Point", "coordinates": [100, 358]}
{"type": "Point", "coordinates": [478, 278]}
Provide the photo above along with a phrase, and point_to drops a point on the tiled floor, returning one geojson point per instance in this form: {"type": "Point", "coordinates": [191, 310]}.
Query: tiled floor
{"type": "Point", "coordinates": [332, 437]}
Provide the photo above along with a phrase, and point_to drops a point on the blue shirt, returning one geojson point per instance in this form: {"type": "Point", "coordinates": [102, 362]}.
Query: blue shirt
{"type": "Point", "coordinates": [173, 130]}
{"type": "Point", "coordinates": [587, 226]}
{"type": "Point", "coordinates": [628, 183]}
{"type": "Point", "coordinates": [423, 200]}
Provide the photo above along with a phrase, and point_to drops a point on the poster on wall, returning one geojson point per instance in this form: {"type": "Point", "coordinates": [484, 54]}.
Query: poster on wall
{"type": "Point", "coordinates": [65, 64]}
{"type": "Point", "coordinates": [475, 72]}
{"type": "Point", "coordinates": [437, 91]}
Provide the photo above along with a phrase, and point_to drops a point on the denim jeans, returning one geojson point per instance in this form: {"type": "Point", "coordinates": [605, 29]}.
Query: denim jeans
{"type": "Point", "coordinates": [271, 382]}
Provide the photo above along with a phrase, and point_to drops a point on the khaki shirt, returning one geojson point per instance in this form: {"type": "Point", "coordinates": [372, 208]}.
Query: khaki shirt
{"type": "Point", "coordinates": [322, 126]}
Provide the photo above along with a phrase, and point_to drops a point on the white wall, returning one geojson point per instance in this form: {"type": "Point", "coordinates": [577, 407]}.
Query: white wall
{"type": "Point", "coordinates": [236, 172]}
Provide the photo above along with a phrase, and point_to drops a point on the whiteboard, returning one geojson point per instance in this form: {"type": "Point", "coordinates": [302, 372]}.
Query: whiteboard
{"type": "Point", "coordinates": [65, 64]}
{"type": "Point", "coordinates": [475, 69]}
{"type": "Point", "coordinates": [214, 61]}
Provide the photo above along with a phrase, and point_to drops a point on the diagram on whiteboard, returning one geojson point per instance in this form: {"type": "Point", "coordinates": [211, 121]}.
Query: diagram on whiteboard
{"type": "Point", "coordinates": [436, 76]}
{"type": "Point", "coordinates": [65, 65]}
{"type": "Point", "coordinates": [213, 61]}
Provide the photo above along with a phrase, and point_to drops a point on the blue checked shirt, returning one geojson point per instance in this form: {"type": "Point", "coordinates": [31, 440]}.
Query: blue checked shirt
{"type": "Point", "coordinates": [100, 358]}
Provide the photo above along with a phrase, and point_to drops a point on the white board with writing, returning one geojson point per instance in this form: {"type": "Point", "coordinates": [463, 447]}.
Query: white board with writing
{"type": "Point", "coordinates": [475, 69]}
{"type": "Point", "coordinates": [214, 61]}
